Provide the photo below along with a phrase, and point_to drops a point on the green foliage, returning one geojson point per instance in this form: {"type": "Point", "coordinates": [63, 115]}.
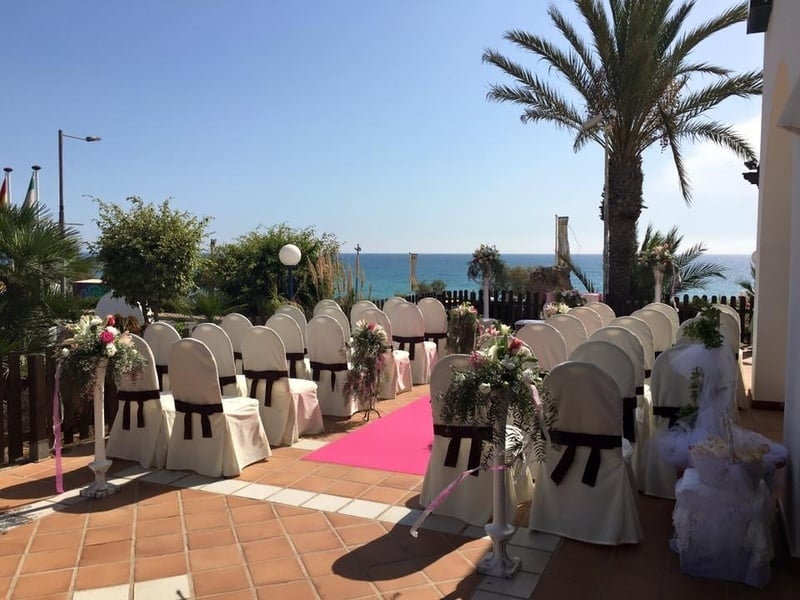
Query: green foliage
{"type": "Point", "coordinates": [579, 273]}
{"type": "Point", "coordinates": [34, 256]}
{"type": "Point", "coordinates": [434, 287]}
{"type": "Point", "coordinates": [369, 346]}
{"type": "Point", "coordinates": [210, 305]}
{"type": "Point", "coordinates": [149, 253]}
{"type": "Point", "coordinates": [251, 275]}
{"type": "Point", "coordinates": [486, 265]}
{"type": "Point", "coordinates": [749, 285]}
{"type": "Point", "coordinates": [705, 328]}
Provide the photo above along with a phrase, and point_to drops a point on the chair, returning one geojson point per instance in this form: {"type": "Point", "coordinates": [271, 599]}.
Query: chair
{"type": "Point", "coordinates": [212, 435]}
{"type": "Point", "coordinates": [288, 406]}
{"type": "Point", "coordinates": [641, 330]}
{"type": "Point", "coordinates": [635, 419]}
{"type": "Point", "coordinates": [398, 365]}
{"type": "Point", "coordinates": [298, 315]}
{"type": "Point", "coordinates": [730, 328]}
{"type": "Point", "coordinates": [236, 325]}
{"type": "Point", "coordinates": [471, 501]}
{"type": "Point", "coordinates": [434, 315]}
{"type": "Point", "coordinates": [213, 336]}
{"type": "Point", "coordinates": [604, 310]}
{"type": "Point", "coordinates": [327, 354]}
{"type": "Point", "coordinates": [142, 427]}
{"type": "Point", "coordinates": [338, 316]}
{"type": "Point", "coordinates": [669, 312]}
{"type": "Point", "coordinates": [160, 336]}
{"type": "Point", "coordinates": [630, 343]}
{"type": "Point", "coordinates": [730, 310]}
{"type": "Point", "coordinates": [571, 327]}
{"type": "Point", "coordinates": [292, 338]}
{"type": "Point", "coordinates": [583, 487]}
{"type": "Point", "coordinates": [590, 318]}
{"type": "Point", "coordinates": [358, 308]}
{"type": "Point", "coordinates": [546, 343]}
{"type": "Point", "coordinates": [408, 332]}
{"type": "Point", "coordinates": [325, 303]}
{"type": "Point", "coordinates": [393, 301]}
{"type": "Point", "coordinates": [661, 325]}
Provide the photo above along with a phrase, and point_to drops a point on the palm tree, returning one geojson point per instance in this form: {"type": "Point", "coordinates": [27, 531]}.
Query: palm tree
{"type": "Point", "coordinates": [34, 256]}
{"type": "Point", "coordinates": [637, 65]}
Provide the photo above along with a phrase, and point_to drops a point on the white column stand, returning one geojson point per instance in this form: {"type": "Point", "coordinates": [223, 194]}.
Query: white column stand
{"type": "Point", "coordinates": [658, 276]}
{"type": "Point", "coordinates": [497, 563]}
{"type": "Point", "coordinates": [485, 297]}
{"type": "Point", "coordinates": [99, 488]}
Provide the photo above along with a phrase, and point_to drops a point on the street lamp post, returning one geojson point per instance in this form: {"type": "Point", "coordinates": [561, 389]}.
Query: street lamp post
{"type": "Point", "coordinates": [358, 266]}
{"type": "Point", "coordinates": [289, 256]}
{"type": "Point", "coordinates": [61, 222]}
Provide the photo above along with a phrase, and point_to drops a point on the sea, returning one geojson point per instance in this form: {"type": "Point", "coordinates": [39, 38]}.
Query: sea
{"type": "Point", "coordinates": [386, 275]}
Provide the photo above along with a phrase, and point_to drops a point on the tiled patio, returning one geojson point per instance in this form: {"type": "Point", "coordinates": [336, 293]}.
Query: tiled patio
{"type": "Point", "coordinates": [288, 528]}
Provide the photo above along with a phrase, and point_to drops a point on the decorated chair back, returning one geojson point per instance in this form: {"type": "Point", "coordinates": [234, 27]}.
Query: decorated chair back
{"type": "Point", "coordinates": [627, 341]}
{"type": "Point", "coordinates": [668, 311]}
{"type": "Point", "coordinates": [220, 346]}
{"type": "Point", "coordinates": [604, 310]}
{"type": "Point", "coordinates": [358, 308]}
{"type": "Point", "coordinates": [291, 336]}
{"type": "Point", "coordinates": [264, 360]}
{"type": "Point", "coordinates": [642, 330]}
{"type": "Point", "coordinates": [376, 315]}
{"type": "Point", "coordinates": [434, 316]}
{"type": "Point", "coordinates": [442, 377]}
{"type": "Point", "coordinates": [393, 301]}
{"type": "Point", "coordinates": [546, 343]}
{"type": "Point", "coordinates": [590, 318]}
{"type": "Point", "coordinates": [236, 325]}
{"type": "Point", "coordinates": [338, 316]}
{"type": "Point", "coordinates": [160, 336]}
{"type": "Point", "coordinates": [298, 315]}
{"type": "Point", "coordinates": [193, 373]}
{"type": "Point", "coordinates": [147, 379]}
{"type": "Point", "coordinates": [571, 327]}
{"type": "Point", "coordinates": [325, 303]}
{"type": "Point", "coordinates": [663, 335]}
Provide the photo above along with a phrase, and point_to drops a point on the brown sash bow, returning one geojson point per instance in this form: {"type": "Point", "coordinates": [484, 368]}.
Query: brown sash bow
{"type": "Point", "coordinates": [269, 376]}
{"type": "Point", "coordinates": [629, 419]}
{"type": "Point", "coordinates": [140, 397]}
{"type": "Point", "coordinates": [204, 410]}
{"type": "Point", "coordinates": [316, 367]}
{"type": "Point", "coordinates": [161, 370]}
{"type": "Point", "coordinates": [226, 380]}
{"type": "Point", "coordinates": [571, 440]}
{"type": "Point", "coordinates": [292, 358]}
{"type": "Point", "coordinates": [435, 337]}
{"type": "Point", "coordinates": [456, 433]}
{"type": "Point", "coordinates": [668, 412]}
{"type": "Point", "coordinates": [412, 342]}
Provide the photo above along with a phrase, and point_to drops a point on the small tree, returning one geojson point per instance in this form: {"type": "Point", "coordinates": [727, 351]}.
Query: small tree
{"type": "Point", "coordinates": [149, 253]}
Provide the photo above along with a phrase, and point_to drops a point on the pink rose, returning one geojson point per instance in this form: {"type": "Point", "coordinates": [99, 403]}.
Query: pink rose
{"type": "Point", "coordinates": [106, 337]}
{"type": "Point", "coordinates": [514, 344]}
{"type": "Point", "coordinates": [110, 321]}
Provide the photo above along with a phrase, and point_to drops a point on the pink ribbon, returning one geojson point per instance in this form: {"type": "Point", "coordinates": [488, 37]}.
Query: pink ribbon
{"type": "Point", "coordinates": [442, 496]}
{"type": "Point", "coordinates": [57, 430]}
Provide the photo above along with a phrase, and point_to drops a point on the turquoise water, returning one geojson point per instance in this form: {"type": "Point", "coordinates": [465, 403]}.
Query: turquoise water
{"type": "Point", "coordinates": [388, 274]}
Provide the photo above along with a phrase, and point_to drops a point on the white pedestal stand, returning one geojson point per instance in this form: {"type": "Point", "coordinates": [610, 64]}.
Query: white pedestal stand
{"type": "Point", "coordinates": [99, 488]}
{"type": "Point", "coordinates": [658, 276]}
{"type": "Point", "coordinates": [485, 298]}
{"type": "Point", "coordinates": [497, 563]}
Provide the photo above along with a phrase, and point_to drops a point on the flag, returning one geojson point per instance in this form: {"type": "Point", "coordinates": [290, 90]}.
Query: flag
{"type": "Point", "coordinates": [4, 193]}
{"type": "Point", "coordinates": [32, 197]}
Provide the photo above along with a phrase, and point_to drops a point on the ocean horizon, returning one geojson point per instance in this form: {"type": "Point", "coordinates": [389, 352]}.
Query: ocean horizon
{"type": "Point", "coordinates": [387, 274]}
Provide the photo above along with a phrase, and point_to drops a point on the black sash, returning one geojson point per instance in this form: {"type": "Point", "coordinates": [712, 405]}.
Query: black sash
{"type": "Point", "coordinates": [226, 380]}
{"type": "Point", "coordinates": [639, 390]}
{"type": "Point", "coordinates": [411, 341]}
{"type": "Point", "coordinates": [161, 370]}
{"type": "Point", "coordinates": [647, 373]}
{"type": "Point", "coordinates": [657, 353]}
{"type": "Point", "coordinates": [204, 410]}
{"type": "Point", "coordinates": [435, 337]}
{"type": "Point", "coordinates": [140, 398]}
{"type": "Point", "coordinates": [668, 412]}
{"type": "Point", "coordinates": [292, 358]}
{"type": "Point", "coordinates": [237, 355]}
{"type": "Point", "coordinates": [571, 440]}
{"type": "Point", "coordinates": [316, 367]}
{"type": "Point", "coordinates": [456, 433]}
{"type": "Point", "coordinates": [629, 419]}
{"type": "Point", "coordinates": [269, 376]}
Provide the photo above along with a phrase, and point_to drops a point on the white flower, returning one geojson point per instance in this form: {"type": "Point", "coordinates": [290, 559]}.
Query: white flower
{"type": "Point", "coordinates": [524, 352]}
{"type": "Point", "coordinates": [508, 364]}
{"type": "Point", "coordinates": [64, 352]}
{"type": "Point", "coordinates": [111, 350]}
{"type": "Point", "coordinates": [113, 330]}
{"type": "Point", "coordinates": [459, 378]}
{"type": "Point", "coordinates": [528, 376]}
{"type": "Point", "coordinates": [484, 388]}
{"type": "Point", "coordinates": [505, 329]}
{"type": "Point", "coordinates": [95, 321]}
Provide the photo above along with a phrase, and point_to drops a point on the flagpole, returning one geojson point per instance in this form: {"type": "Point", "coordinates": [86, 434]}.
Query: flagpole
{"type": "Point", "coordinates": [8, 183]}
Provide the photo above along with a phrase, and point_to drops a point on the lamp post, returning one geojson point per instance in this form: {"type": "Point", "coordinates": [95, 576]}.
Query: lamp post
{"type": "Point", "coordinates": [61, 223]}
{"type": "Point", "coordinates": [289, 256]}
{"type": "Point", "coordinates": [605, 119]}
{"type": "Point", "coordinates": [358, 251]}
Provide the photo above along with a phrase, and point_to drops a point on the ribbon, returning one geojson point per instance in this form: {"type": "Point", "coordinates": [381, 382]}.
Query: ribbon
{"type": "Point", "coordinates": [629, 419]}
{"type": "Point", "coordinates": [668, 412]}
{"type": "Point", "coordinates": [316, 367]}
{"type": "Point", "coordinates": [204, 410]}
{"type": "Point", "coordinates": [269, 377]}
{"type": "Point", "coordinates": [292, 358]}
{"type": "Point", "coordinates": [57, 430]}
{"type": "Point", "coordinates": [456, 433]}
{"type": "Point", "coordinates": [411, 341]}
{"type": "Point", "coordinates": [237, 355]}
{"type": "Point", "coordinates": [572, 440]}
{"type": "Point", "coordinates": [140, 397]}
{"type": "Point", "coordinates": [226, 380]}
{"type": "Point", "coordinates": [435, 337]}
{"type": "Point", "coordinates": [161, 370]}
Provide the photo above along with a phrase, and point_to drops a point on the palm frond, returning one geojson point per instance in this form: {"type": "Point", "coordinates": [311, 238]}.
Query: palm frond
{"type": "Point", "coordinates": [722, 135]}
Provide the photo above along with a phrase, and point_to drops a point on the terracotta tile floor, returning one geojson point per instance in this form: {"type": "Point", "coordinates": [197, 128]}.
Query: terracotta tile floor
{"type": "Point", "coordinates": [232, 546]}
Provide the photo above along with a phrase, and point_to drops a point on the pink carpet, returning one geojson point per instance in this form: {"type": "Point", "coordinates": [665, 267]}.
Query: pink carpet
{"type": "Point", "coordinates": [400, 441]}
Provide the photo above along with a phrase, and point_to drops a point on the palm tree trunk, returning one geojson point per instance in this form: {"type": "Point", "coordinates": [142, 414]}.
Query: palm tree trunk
{"type": "Point", "coordinates": [625, 206]}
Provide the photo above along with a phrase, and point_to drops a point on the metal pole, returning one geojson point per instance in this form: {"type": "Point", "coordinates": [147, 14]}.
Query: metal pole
{"type": "Point", "coordinates": [605, 211]}
{"type": "Point", "coordinates": [61, 197]}
{"type": "Point", "coordinates": [8, 183]}
{"type": "Point", "coordinates": [291, 283]}
{"type": "Point", "coordinates": [358, 251]}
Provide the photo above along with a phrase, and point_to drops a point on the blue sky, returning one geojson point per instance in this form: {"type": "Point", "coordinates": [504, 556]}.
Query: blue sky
{"type": "Point", "coordinates": [366, 119]}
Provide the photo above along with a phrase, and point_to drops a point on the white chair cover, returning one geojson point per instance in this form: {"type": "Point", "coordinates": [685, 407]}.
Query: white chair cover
{"type": "Point", "coordinates": [730, 310]}
{"type": "Point", "coordinates": [327, 353]}
{"type": "Point", "coordinates": [732, 334]}
{"type": "Point", "coordinates": [358, 308]}
{"type": "Point", "coordinates": [325, 303]}
{"type": "Point", "coordinates": [288, 407]}
{"type": "Point", "coordinates": [141, 429]}
{"type": "Point", "coordinates": [668, 311]}
{"type": "Point", "coordinates": [590, 318]}
{"type": "Point", "coordinates": [434, 315]}
{"type": "Point", "coordinates": [604, 310]}
{"type": "Point", "coordinates": [546, 343]}
{"type": "Point", "coordinates": [160, 336]}
{"type": "Point", "coordinates": [471, 501]}
{"type": "Point", "coordinates": [397, 369]}
{"type": "Point", "coordinates": [292, 338]}
{"type": "Point", "coordinates": [588, 403]}
{"type": "Point", "coordinates": [298, 315]}
{"type": "Point", "coordinates": [660, 324]}
{"type": "Point", "coordinates": [236, 325]}
{"type": "Point", "coordinates": [393, 301]}
{"type": "Point", "coordinates": [408, 333]}
{"type": "Point", "coordinates": [111, 305]}
{"type": "Point", "coordinates": [642, 330]}
{"type": "Point", "coordinates": [219, 343]}
{"type": "Point", "coordinates": [571, 327]}
{"type": "Point", "coordinates": [227, 434]}
{"type": "Point", "coordinates": [338, 316]}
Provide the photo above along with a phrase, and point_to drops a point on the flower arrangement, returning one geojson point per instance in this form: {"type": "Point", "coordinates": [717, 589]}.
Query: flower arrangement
{"type": "Point", "coordinates": [368, 347]}
{"type": "Point", "coordinates": [94, 339]}
{"type": "Point", "coordinates": [463, 326]}
{"type": "Point", "coordinates": [571, 298]}
{"type": "Point", "coordinates": [502, 378]}
{"type": "Point", "coordinates": [705, 328]}
{"type": "Point", "coordinates": [658, 255]}
{"type": "Point", "coordinates": [554, 308]}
